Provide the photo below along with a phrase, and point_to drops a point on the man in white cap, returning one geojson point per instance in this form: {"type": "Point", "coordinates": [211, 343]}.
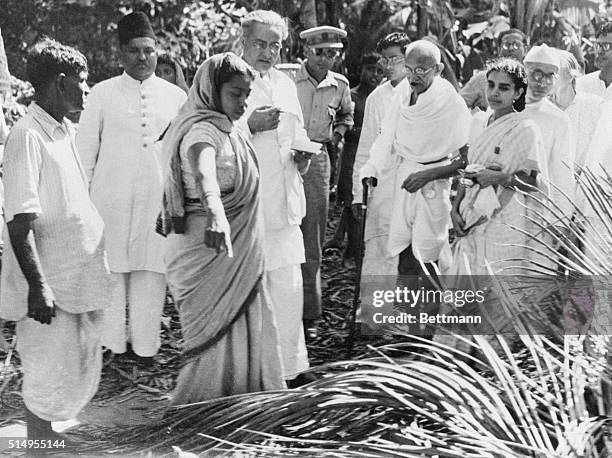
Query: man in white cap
{"type": "Point", "coordinates": [542, 65]}
{"type": "Point", "coordinates": [599, 82]}
{"type": "Point", "coordinates": [325, 98]}
{"type": "Point", "coordinates": [118, 140]}
{"type": "Point", "coordinates": [274, 122]}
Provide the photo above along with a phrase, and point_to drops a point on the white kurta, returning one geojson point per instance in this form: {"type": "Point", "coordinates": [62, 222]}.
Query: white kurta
{"type": "Point", "coordinates": [584, 113]}
{"type": "Point", "coordinates": [61, 361]}
{"type": "Point", "coordinates": [558, 161]}
{"type": "Point", "coordinates": [118, 140]}
{"type": "Point", "coordinates": [284, 206]}
{"type": "Point", "coordinates": [591, 84]}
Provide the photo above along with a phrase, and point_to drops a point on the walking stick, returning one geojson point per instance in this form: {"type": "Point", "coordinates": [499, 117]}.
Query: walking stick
{"type": "Point", "coordinates": [367, 183]}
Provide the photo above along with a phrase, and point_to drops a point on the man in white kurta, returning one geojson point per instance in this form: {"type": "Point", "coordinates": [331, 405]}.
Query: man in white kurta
{"type": "Point", "coordinates": [118, 140]}
{"type": "Point", "coordinates": [542, 66]}
{"type": "Point", "coordinates": [600, 82]}
{"type": "Point", "coordinates": [55, 281]}
{"type": "Point", "coordinates": [375, 258]}
{"type": "Point", "coordinates": [412, 133]}
{"type": "Point", "coordinates": [582, 108]}
{"type": "Point", "coordinates": [274, 123]}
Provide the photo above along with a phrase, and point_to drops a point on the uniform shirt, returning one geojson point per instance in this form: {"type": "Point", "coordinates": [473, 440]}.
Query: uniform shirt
{"type": "Point", "coordinates": [282, 189]}
{"type": "Point", "coordinates": [43, 175]}
{"type": "Point", "coordinates": [593, 85]}
{"type": "Point", "coordinates": [118, 140]}
{"type": "Point", "coordinates": [326, 106]}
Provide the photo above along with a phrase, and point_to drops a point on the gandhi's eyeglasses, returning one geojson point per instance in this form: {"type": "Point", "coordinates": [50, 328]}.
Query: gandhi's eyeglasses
{"type": "Point", "coordinates": [538, 76]}
{"type": "Point", "coordinates": [330, 53]}
{"type": "Point", "coordinates": [419, 71]}
{"type": "Point", "coordinates": [605, 45]}
{"type": "Point", "coordinates": [261, 45]}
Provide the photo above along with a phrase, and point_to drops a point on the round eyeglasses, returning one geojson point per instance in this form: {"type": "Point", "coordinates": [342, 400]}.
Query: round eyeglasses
{"type": "Point", "coordinates": [393, 60]}
{"type": "Point", "coordinates": [539, 76]}
{"type": "Point", "coordinates": [261, 45]}
{"type": "Point", "coordinates": [512, 45]}
{"type": "Point", "coordinates": [419, 71]}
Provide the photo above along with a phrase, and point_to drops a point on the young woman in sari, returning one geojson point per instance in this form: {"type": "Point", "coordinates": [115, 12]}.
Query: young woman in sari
{"type": "Point", "coordinates": [504, 154]}
{"type": "Point", "coordinates": [215, 257]}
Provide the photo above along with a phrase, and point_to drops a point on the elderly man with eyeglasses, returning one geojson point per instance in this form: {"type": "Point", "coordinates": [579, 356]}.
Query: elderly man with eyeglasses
{"type": "Point", "coordinates": [325, 98]}
{"type": "Point", "coordinates": [542, 65]}
{"type": "Point", "coordinates": [583, 108]}
{"type": "Point", "coordinates": [599, 82]}
{"type": "Point", "coordinates": [275, 124]}
{"type": "Point", "coordinates": [423, 135]}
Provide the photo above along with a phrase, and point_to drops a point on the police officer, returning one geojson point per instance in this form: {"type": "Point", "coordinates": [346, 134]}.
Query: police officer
{"type": "Point", "coordinates": [325, 98]}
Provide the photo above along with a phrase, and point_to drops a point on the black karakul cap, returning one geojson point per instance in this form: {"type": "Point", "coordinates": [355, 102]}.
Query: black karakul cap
{"type": "Point", "coordinates": [134, 25]}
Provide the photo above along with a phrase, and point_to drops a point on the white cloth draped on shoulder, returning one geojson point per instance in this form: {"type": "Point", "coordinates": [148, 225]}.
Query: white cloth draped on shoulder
{"type": "Point", "coordinates": [514, 144]}
{"type": "Point", "coordinates": [431, 130]}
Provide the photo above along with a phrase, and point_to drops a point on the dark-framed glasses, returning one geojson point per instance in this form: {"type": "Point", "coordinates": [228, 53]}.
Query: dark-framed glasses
{"type": "Point", "coordinates": [418, 71]}
{"type": "Point", "coordinates": [330, 53]}
{"type": "Point", "coordinates": [511, 45]}
{"type": "Point", "coordinates": [539, 76]}
{"type": "Point", "coordinates": [604, 45]}
{"type": "Point", "coordinates": [274, 47]}
{"type": "Point", "coordinates": [393, 60]}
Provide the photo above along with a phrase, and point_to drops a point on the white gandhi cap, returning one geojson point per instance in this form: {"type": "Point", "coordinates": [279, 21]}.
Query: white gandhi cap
{"type": "Point", "coordinates": [542, 54]}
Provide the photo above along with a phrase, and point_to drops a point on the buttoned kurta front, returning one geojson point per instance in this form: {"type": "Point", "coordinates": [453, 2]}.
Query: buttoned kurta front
{"type": "Point", "coordinates": [118, 140]}
{"type": "Point", "coordinates": [284, 203]}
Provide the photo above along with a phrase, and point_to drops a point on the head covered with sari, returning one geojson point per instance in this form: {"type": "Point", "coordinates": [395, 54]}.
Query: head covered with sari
{"type": "Point", "coordinates": [203, 104]}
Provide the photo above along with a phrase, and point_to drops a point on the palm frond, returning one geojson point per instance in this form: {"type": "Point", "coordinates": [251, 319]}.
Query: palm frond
{"type": "Point", "coordinates": [434, 405]}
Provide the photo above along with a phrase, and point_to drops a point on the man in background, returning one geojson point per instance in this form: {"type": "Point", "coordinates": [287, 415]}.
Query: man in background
{"type": "Point", "coordinates": [328, 113]}
{"type": "Point", "coordinates": [118, 140]}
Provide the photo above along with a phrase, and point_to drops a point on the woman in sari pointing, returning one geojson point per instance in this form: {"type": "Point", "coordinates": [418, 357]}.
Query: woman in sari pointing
{"type": "Point", "coordinates": [215, 257]}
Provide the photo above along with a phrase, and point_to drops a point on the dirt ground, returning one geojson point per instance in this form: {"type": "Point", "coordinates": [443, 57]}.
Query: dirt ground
{"type": "Point", "coordinates": [132, 394]}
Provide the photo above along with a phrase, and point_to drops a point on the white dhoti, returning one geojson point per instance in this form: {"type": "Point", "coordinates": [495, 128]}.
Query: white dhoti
{"type": "Point", "coordinates": [143, 293]}
{"type": "Point", "coordinates": [286, 293]}
{"type": "Point", "coordinates": [422, 218]}
{"type": "Point", "coordinates": [61, 363]}
{"type": "Point", "coordinates": [376, 258]}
